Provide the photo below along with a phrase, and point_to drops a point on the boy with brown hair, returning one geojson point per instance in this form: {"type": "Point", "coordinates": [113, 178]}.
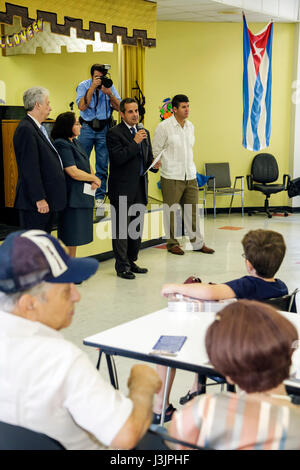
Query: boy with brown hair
{"type": "Point", "coordinates": [264, 251]}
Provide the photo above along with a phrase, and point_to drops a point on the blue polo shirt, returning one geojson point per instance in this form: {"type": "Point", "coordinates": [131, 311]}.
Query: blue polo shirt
{"type": "Point", "coordinates": [255, 288]}
{"type": "Point", "coordinates": [103, 110]}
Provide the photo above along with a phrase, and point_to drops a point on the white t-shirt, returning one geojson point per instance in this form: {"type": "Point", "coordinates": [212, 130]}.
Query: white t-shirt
{"type": "Point", "coordinates": [177, 142]}
{"type": "Point", "coordinates": [49, 385]}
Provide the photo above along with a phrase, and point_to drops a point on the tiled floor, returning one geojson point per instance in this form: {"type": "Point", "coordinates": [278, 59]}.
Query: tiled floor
{"type": "Point", "coordinates": [108, 300]}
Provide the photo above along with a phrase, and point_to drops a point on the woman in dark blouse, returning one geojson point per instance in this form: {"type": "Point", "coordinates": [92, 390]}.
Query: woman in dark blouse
{"type": "Point", "coordinates": [75, 223]}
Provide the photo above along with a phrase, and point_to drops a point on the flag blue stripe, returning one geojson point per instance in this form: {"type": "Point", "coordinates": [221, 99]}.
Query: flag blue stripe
{"type": "Point", "coordinates": [246, 53]}
{"type": "Point", "coordinates": [256, 112]}
{"type": "Point", "coordinates": [269, 88]}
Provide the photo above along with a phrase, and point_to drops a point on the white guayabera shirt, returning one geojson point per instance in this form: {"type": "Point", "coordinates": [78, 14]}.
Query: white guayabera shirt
{"type": "Point", "coordinates": [49, 385]}
{"type": "Point", "coordinates": [176, 142]}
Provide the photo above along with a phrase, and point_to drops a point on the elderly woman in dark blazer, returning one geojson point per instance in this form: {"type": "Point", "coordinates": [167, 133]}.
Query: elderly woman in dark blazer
{"type": "Point", "coordinates": [75, 224]}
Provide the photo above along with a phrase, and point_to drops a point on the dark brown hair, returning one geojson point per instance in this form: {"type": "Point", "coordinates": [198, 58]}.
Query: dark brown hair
{"type": "Point", "coordinates": [99, 67]}
{"type": "Point", "coordinates": [126, 101]}
{"type": "Point", "coordinates": [177, 99]}
{"type": "Point", "coordinates": [265, 250]}
{"type": "Point", "coordinates": [63, 126]}
{"type": "Point", "coordinates": [252, 344]}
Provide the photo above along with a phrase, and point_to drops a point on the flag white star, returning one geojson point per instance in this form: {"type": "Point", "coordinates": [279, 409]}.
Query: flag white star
{"type": "Point", "coordinates": [258, 50]}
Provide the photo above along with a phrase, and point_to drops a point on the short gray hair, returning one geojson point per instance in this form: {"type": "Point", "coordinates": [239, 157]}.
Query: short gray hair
{"type": "Point", "coordinates": [9, 301]}
{"type": "Point", "coordinates": [34, 95]}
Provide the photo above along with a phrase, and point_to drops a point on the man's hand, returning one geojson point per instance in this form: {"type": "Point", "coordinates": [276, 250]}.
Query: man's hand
{"type": "Point", "coordinates": [42, 206]}
{"type": "Point", "coordinates": [96, 82]}
{"type": "Point", "coordinates": [106, 91]}
{"type": "Point", "coordinates": [143, 376]}
{"type": "Point", "coordinates": [96, 184]}
{"type": "Point", "coordinates": [140, 135]}
{"type": "Point", "coordinates": [157, 165]}
{"type": "Point", "coordinates": [143, 383]}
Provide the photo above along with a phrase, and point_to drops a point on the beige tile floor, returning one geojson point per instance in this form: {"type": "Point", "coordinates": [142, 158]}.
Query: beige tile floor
{"type": "Point", "coordinates": [108, 301]}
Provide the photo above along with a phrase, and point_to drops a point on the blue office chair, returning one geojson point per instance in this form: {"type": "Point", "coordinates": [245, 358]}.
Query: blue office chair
{"type": "Point", "coordinates": [18, 438]}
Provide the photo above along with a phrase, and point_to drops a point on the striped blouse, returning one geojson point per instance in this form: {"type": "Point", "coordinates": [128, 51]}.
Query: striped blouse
{"type": "Point", "coordinates": [237, 421]}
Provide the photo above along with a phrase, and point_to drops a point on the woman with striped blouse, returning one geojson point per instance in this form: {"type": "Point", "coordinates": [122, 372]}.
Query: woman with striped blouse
{"type": "Point", "coordinates": [251, 344]}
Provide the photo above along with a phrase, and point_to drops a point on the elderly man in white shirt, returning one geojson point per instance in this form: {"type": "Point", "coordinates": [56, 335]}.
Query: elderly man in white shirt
{"type": "Point", "coordinates": [47, 384]}
{"type": "Point", "coordinates": [174, 139]}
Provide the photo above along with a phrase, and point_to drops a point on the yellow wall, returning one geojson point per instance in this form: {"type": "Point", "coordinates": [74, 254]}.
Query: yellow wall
{"type": "Point", "coordinates": [59, 73]}
{"type": "Point", "coordinates": [205, 61]}
{"type": "Point", "coordinates": [202, 60]}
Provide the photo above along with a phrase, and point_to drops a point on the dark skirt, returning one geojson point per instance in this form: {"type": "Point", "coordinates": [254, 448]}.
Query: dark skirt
{"type": "Point", "coordinates": [75, 226]}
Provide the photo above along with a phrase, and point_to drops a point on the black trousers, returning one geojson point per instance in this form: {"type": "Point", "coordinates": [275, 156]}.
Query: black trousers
{"type": "Point", "coordinates": [127, 227]}
{"type": "Point", "coordinates": [30, 220]}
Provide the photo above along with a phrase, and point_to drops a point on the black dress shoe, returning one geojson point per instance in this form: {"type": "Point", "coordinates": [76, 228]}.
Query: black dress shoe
{"type": "Point", "coordinates": [126, 275]}
{"type": "Point", "coordinates": [136, 269]}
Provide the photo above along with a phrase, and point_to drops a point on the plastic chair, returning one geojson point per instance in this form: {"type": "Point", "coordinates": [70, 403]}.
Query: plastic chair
{"type": "Point", "coordinates": [14, 437]}
{"type": "Point", "coordinates": [286, 303]}
{"type": "Point", "coordinates": [220, 184]}
{"type": "Point", "coordinates": [264, 172]}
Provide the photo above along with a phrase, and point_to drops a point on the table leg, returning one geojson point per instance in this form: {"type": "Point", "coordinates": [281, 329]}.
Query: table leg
{"type": "Point", "coordinates": [113, 378]}
{"type": "Point", "coordinates": [163, 411]}
{"type": "Point", "coordinates": [99, 360]}
{"type": "Point", "coordinates": [202, 383]}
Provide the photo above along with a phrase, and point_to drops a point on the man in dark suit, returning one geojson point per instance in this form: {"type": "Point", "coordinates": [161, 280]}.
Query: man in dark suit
{"type": "Point", "coordinates": [130, 155]}
{"type": "Point", "coordinates": [41, 188]}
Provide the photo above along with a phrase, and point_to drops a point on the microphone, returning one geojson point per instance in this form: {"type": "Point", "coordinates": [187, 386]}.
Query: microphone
{"type": "Point", "coordinates": [140, 126]}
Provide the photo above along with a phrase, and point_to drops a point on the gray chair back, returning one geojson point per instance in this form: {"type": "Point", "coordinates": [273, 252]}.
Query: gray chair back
{"type": "Point", "coordinates": [221, 172]}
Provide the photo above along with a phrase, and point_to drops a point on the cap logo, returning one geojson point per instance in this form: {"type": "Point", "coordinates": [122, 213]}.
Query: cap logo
{"type": "Point", "coordinates": [55, 261]}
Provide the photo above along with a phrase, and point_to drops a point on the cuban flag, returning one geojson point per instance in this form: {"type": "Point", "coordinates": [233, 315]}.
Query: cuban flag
{"type": "Point", "coordinates": [257, 85]}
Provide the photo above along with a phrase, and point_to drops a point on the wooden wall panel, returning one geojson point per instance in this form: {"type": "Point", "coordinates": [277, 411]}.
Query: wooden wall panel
{"type": "Point", "coordinates": [9, 161]}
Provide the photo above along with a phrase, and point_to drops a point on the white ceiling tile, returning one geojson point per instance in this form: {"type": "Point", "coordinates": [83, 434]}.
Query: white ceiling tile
{"type": "Point", "coordinates": [254, 5]}
{"type": "Point", "coordinates": [271, 7]}
{"type": "Point", "coordinates": [234, 3]}
{"type": "Point", "coordinates": [287, 8]}
{"type": "Point", "coordinates": [203, 10]}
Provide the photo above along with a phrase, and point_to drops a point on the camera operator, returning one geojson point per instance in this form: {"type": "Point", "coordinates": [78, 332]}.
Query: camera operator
{"type": "Point", "coordinates": [96, 99]}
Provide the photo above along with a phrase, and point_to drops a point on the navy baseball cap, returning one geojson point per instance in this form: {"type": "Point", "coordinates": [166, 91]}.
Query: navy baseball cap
{"type": "Point", "coordinates": [29, 257]}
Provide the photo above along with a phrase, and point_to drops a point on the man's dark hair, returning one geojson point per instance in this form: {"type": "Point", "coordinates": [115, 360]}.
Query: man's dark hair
{"type": "Point", "coordinates": [179, 99]}
{"type": "Point", "coordinates": [98, 67]}
{"type": "Point", "coordinates": [63, 125]}
{"type": "Point", "coordinates": [265, 249]}
{"type": "Point", "coordinates": [126, 101]}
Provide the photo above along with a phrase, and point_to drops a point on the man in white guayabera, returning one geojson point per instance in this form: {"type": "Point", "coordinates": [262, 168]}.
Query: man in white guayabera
{"type": "Point", "coordinates": [174, 139]}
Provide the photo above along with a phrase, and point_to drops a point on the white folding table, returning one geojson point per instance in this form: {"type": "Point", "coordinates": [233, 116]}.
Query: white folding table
{"type": "Point", "coordinates": [135, 339]}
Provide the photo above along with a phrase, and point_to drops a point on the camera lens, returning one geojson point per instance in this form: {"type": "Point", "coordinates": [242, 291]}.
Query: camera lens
{"type": "Point", "coordinates": [107, 82]}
